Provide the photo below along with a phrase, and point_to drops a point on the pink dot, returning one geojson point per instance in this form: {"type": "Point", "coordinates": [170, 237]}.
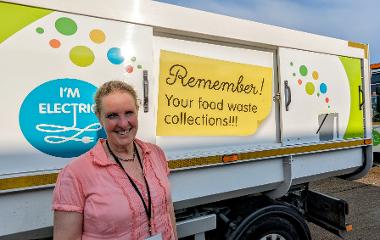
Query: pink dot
{"type": "Point", "coordinates": [129, 69]}
{"type": "Point", "coordinates": [327, 100]}
{"type": "Point", "coordinates": [54, 43]}
{"type": "Point", "coordinates": [299, 81]}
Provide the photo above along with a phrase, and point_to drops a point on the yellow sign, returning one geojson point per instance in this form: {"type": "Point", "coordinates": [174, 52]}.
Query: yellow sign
{"type": "Point", "coordinates": [201, 96]}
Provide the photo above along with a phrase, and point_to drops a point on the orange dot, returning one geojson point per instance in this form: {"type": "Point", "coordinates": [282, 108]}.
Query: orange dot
{"type": "Point", "coordinates": [97, 36]}
{"type": "Point", "coordinates": [315, 75]}
{"type": "Point", "coordinates": [327, 100]}
{"type": "Point", "coordinates": [54, 43]}
{"type": "Point", "coordinates": [299, 81]}
{"type": "Point", "coordinates": [129, 69]}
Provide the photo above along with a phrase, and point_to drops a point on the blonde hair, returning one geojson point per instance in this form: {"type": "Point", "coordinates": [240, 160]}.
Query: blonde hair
{"type": "Point", "coordinates": [111, 87]}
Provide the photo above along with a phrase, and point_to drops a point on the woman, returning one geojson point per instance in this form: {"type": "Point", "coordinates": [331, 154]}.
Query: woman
{"type": "Point", "coordinates": [120, 188]}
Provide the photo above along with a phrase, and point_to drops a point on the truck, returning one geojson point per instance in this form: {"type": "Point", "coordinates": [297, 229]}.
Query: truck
{"type": "Point", "coordinates": [248, 114]}
{"type": "Point", "coordinates": [375, 97]}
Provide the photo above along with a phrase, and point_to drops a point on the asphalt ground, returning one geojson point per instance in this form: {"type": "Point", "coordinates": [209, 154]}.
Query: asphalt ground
{"type": "Point", "coordinates": [363, 197]}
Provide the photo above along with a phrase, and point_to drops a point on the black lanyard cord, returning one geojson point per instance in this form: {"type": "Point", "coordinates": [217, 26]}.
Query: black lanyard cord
{"type": "Point", "coordinates": [148, 209]}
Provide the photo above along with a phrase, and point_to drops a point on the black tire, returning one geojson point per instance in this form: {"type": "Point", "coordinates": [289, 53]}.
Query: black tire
{"type": "Point", "coordinates": [271, 228]}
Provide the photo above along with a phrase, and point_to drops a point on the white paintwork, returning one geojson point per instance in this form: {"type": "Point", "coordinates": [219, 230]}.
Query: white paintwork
{"type": "Point", "coordinates": [190, 22]}
{"type": "Point", "coordinates": [332, 161]}
{"type": "Point", "coordinates": [300, 123]}
{"type": "Point", "coordinates": [198, 183]}
{"type": "Point", "coordinates": [25, 211]}
{"type": "Point", "coordinates": [43, 63]}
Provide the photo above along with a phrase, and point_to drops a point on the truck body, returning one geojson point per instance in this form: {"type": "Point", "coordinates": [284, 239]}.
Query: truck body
{"type": "Point", "coordinates": [246, 113]}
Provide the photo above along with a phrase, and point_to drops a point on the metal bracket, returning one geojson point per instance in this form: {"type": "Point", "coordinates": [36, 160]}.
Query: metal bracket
{"type": "Point", "coordinates": [277, 97]}
{"type": "Point", "coordinates": [146, 88]}
{"type": "Point", "coordinates": [196, 226]}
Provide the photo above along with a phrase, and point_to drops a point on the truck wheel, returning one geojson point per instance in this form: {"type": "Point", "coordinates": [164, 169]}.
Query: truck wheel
{"type": "Point", "coordinates": [271, 228]}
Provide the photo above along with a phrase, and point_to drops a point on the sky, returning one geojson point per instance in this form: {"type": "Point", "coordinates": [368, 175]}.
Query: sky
{"type": "Point", "coordinates": [353, 20]}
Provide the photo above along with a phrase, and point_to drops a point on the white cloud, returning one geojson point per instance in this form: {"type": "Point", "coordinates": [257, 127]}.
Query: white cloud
{"type": "Point", "coordinates": [345, 19]}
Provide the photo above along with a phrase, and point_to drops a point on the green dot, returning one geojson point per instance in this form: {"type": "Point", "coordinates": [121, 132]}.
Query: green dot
{"type": "Point", "coordinates": [40, 30]}
{"type": "Point", "coordinates": [66, 26]}
{"type": "Point", "coordinates": [294, 74]}
{"type": "Point", "coordinates": [303, 70]}
{"type": "Point", "coordinates": [291, 63]}
{"type": "Point", "coordinates": [82, 56]}
{"type": "Point", "coordinates": [139, 66]}
{"type": "Point", "coordinates": [309, 88]}
{"type": "Point", "coordinates": [318, 94]}
{"type": "Point", "coordinates": [133, 59]}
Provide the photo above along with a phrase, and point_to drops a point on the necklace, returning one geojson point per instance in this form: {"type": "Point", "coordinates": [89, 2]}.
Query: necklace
{"type": "Point", "coordinates": [123, 159]}
{"type": "Point", "coordinates": [128, 159]}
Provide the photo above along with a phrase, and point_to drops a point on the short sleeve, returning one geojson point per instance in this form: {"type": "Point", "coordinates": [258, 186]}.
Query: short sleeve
{"type": "Point", "coordinates": [68, 194]}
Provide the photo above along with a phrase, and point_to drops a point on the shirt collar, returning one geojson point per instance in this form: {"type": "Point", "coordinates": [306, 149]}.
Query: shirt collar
{"type": "Point", "coordinates": [100, 157]}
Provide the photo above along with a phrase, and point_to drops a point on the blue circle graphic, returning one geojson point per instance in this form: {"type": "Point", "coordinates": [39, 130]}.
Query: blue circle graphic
{"type": "Point", "coordinates": [58, 118]}
{"type": "Point", "coordinates": [323, 88]}
{"type": "Point", "coordinates": [114, 56]}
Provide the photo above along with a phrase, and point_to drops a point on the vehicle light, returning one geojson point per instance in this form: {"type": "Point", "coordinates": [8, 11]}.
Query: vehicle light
{"type": "Point", "coordinates": [348, 227]}
{"type": "Point", "coordinates": [230, 158]}
{"type": "Point", "coordinates": [367, 141]}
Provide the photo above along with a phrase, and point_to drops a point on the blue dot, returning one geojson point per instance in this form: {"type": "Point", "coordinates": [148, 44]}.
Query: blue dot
{"type": "Point", "coordinates": [323, 88]}
{"type": "Point", "coordinates": [58, 118]}
{"type": "Point", "coordinates": [114, 56]}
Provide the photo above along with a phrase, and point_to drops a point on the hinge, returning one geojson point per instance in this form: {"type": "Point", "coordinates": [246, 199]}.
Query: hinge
{"type": "Point", "coordinates": [276, 97]}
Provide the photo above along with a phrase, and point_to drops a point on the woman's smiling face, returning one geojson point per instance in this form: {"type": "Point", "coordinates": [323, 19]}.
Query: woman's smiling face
{"type": "Point", "coordinates": [118, 117]}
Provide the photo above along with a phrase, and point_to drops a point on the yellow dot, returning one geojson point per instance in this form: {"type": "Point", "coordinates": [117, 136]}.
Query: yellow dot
{"type": "Point", "coordinates": [315, 75]}
{"type": "Point", "coordinates": [97, 36]}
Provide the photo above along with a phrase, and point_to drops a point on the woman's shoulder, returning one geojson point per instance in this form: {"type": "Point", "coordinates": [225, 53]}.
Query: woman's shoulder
{"type": "Point", "coordinates": [84, 161]}
{"type": "Point", "coordinates": [149, 147]}
{"type": "Point", "coordinates": [157, 155]}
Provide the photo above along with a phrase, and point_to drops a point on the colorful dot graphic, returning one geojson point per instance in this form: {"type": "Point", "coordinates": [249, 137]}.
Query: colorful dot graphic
{"type": "Point", "coordinates": [323, 88]}
{"type": "Point", "coordinates": [315, 75]}
{"type": "Point", "coordinates": [303, 70]}
{"type": "Point", "coordinates": [97, 36]}
{"type": "Point", "coordinates": [54, 43]}
{"type": "Point", "coordinates": [40, 30]}
{"type": "Point", "coordinates": [114, 56]}
{"type": "Point", "coordinates": [309, 88]}
{"type": "Point", "coordinates": [82, 56]}
{"type": "Point", "coordinates": [129, 69]}
{"type": "Point", "coordinates": [66, 26]}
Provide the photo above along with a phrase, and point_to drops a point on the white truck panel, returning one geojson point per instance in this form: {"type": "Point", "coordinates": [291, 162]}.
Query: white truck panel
{"type": "Point", "coordinates": [189, 187]}
{"type": "Point", "coordinates": [175, 19]}
{"type": "Point", "coordinates": [25, 211]}
{"type": "Point", "coordinates": [326, 163]}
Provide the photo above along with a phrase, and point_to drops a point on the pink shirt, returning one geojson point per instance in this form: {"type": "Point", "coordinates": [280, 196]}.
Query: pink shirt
{"type": "Point", "coordinates": [98, 188]}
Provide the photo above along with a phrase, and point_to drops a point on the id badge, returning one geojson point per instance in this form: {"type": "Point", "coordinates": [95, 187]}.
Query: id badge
{"type": "Point", "coordinates": [155, 237]}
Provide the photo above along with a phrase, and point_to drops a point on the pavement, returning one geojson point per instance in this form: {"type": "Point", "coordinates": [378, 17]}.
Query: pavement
{"type": "Point", "coordinates": [363, 197]}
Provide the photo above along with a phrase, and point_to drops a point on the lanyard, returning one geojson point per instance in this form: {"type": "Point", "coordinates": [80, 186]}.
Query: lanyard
{"type": "Point", "coordinates": [148, 209]}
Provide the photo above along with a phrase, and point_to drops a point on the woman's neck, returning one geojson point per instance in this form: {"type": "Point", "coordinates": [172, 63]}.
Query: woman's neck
{"type": "Point", "coordinates": [123, 150]}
